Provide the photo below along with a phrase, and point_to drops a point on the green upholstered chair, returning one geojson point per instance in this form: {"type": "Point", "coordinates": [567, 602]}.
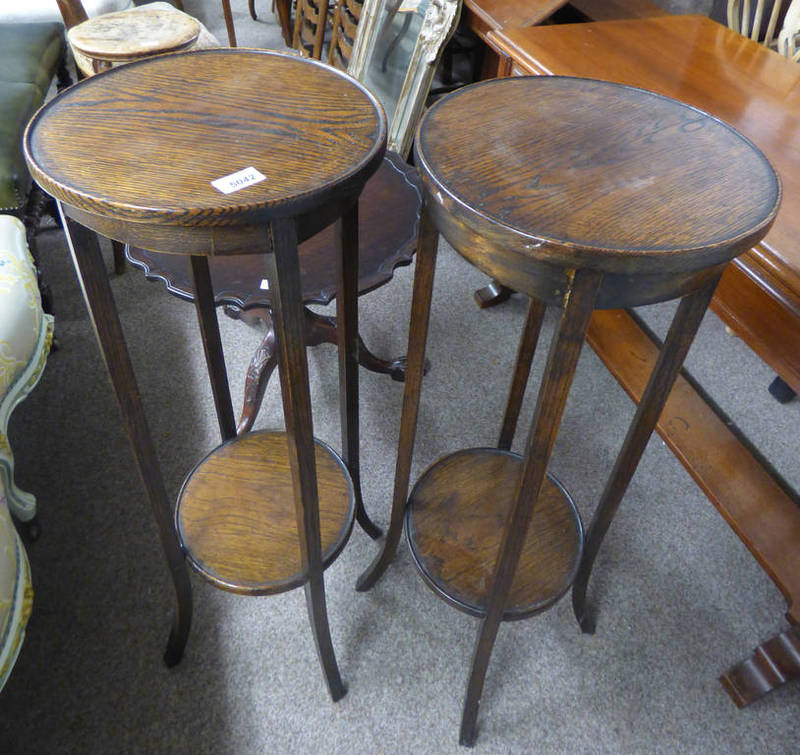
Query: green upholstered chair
{"type": "Point", "coordinates": [30, 56]}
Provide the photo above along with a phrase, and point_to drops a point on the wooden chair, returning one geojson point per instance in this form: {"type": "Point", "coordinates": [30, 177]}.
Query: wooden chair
{"type": "Point", "coordinates": [387, 238]}
{"type": "Point", "coordinates": [345, 24]}
{"type": "Point", "coordinates": [787, 39]}
{"type": "Point", "coordinates": [750, 21]}
{"type": "Point", "coordinates": [310, 19]}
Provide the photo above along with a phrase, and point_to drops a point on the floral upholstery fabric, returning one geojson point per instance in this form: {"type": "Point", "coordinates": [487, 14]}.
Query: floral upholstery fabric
{"type": "Point", "coordinates": [25, 334]}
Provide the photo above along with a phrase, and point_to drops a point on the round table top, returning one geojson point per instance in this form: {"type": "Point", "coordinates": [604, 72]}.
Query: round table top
{"type": "Point", "coordinates": [129, 35]}
{"type": "Point", "coordinates": [142, 143]}
{"type": "Point", "coordinates": [577, 171]}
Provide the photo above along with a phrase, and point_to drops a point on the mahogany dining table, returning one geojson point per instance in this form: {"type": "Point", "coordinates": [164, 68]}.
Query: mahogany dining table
{"type": "Point", "coordinates": [698, 61]}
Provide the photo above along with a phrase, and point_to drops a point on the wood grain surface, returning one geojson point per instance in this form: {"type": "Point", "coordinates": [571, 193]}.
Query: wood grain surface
{"type": "Point", "coordinates": [127, 36]}
{"type": "Point", "coordinates": [143, 142]}
{"type": "Point", "coordinates": [386, 240]}
{"type": "Point", "coordinates": [455, 519]}
{"type": "Point", "coordinates": [236, 514]}
{"type": "Point", "coordinates": [581, 172]}
{"type": "Point", "coordinates": [698, 61]}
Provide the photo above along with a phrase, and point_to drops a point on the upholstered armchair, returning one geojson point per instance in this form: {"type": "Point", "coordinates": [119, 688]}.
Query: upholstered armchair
{"type": "Point", "coordinates": [25, 337]}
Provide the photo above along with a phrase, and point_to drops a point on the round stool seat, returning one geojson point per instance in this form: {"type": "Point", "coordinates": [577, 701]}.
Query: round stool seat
{"type": "Point", "coordinates": [646, 186]}
{"type": "Point", "coordinates": [126, 36]}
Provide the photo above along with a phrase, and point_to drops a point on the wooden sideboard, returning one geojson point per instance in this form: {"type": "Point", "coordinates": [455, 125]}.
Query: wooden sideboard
{"type": "Point", "coordinates": [698, 61]}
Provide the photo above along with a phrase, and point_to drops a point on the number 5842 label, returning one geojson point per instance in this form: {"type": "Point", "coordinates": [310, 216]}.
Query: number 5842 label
{"type": "Point", "coordinates": [239, 180]}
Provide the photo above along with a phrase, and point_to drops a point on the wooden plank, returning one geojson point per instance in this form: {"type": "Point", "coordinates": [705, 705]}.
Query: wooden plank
{"type": "Point", "coordinates": [758, 509]}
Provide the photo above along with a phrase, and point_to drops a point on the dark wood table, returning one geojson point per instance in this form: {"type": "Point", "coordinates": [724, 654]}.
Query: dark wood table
{"type": "Point", "coordinates": [568, 190]}
{"type": "Point", "coordinates": [705, 64]}
{"type": "Point", "coordinates": [188, 154]}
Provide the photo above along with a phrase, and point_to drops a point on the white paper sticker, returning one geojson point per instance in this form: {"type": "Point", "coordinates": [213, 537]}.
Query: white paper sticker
{"type": "Point", "coordinates": [265, 285]}
{"type": "Point", "coordinates": [238, 180]}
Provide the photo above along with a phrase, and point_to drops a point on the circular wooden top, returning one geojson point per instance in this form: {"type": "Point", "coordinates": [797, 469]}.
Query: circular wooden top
{"type": "Point", "coordinates": [455, 519]}
{"type": "Point", "coordinates": [236, 514]}
{"type": "Point", "coordinates": [575, 171]}
{"type": "Point", "coordinates": [142, 142]}
{"type": "Point", "coordinates": [129, 35]}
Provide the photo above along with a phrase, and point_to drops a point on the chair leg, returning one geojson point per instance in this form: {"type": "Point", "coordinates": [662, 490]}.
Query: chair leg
{"type": "Point", "coordinates": [226, 12]}
{"type": "Point", "coordinates": [251, 6]}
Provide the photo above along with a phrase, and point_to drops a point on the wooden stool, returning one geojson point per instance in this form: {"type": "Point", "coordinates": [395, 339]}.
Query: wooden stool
{"type": "Point", "coordinates": [219, 167]}
{"type": "Point", "coordinates": [583, 195]}
{"type": "Point", "coordinates": [124, 36]}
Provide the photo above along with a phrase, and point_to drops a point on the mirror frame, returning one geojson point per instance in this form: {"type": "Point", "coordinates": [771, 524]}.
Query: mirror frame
{"type": "Point", "coordinates": [439, 24]}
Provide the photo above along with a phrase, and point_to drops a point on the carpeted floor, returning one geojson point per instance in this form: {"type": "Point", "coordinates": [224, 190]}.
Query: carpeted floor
{"type": "Point", "coordinates": [679, 597]}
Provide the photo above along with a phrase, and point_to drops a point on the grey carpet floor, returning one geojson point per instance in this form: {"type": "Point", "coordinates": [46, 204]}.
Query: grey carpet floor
{"type": "Point", "coordinates": [678, 595]}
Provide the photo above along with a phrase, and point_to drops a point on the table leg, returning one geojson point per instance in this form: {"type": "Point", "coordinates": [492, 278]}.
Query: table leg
{"type": "Point", "coordinates": [417, 337]}
{"type": "Point", "coordinates": [212, 345]}
{"type": "Point", "coordinates": [565, 348]}
{"type": "Point", "coordinates": [670, 360]}
{"type": "Point", "coordinates": [283, 273]}
{"type": "Point", "coordinates": [88, 261]}
{"type": "Point", "coordinates": [348, 347]}
{"type": "Point", "coordinates": [522, 370]}
{"type": "Point", "coordinates": [772, 664]}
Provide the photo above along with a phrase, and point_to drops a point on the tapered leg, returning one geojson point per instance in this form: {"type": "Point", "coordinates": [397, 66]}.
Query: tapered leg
{"type": "Point", "coordinates": [676, 346]}
{"type": "Point", "coordinates": [522, 370]}
{"type": "Point", "coordinates": [347, 329]}
{"type": "Point", "coordinates": [226, 12]}
{"type": "Point", "coordinates": [561, 363]}
{"type": "Point", "coordinates": [212, 345]}
{"type": "Point", "coordinates": [283, 273]}
{"type": "Point", "coordinates": [93, 278]}
{"type": "Point", "coordinates": [417, 336]}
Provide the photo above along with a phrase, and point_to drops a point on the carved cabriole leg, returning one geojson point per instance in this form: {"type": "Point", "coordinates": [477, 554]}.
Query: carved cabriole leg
{"type": "Point", "coordinates": [283, 273]}
{"type": "Point", "coordinates": [348, 348]}
{"type": "Point", "coordinates": [773, 664]}
{"type": "Point", "coordinates": [212, 344]}
{"type": "Point", "coordinates": [676, 346]}
{"type": "Point", "coordinates": [562, 360]}
{"type": "Point", "coordinates": [527, 348]}
{"type": "Point", "coordinates": [21, 503]}
{"type": "Point", "coordinates": [417, 336]}
{"type": "Point", "coordinates": [318, 329]}
{"type": "Point", "coordinates": [89, 266]}
{"type": "Point", "coordinates": [259, 372]}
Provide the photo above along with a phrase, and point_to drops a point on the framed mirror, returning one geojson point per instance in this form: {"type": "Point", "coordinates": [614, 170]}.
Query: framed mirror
{"type": "Point", "coordinates": [395, 54]}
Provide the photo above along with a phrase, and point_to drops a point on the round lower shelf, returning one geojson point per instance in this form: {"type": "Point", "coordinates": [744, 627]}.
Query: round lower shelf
{"type": "Point", "coordinates": [236, 514]}
{"type": "Point", "coordinates": [454, 524]}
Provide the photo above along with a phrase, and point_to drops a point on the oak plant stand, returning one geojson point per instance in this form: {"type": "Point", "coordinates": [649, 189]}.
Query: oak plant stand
{"type": "Point", "coordinates": [265, 512]}
{"type": "Point", "coordinates": [583, 195]}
